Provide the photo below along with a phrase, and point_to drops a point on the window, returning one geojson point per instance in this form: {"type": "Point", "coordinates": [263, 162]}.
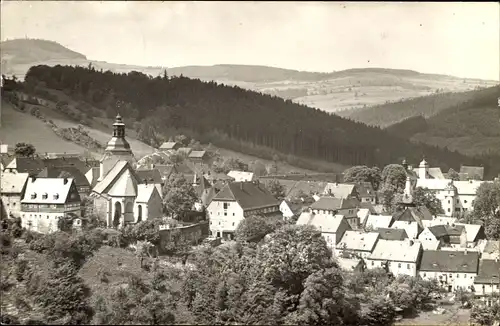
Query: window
{"type": "Point", "coordinates": [226, 205]}
{"type": "Point", "coordinates": [425, 274]}
{"type": "Point", "coordinates": [399, 265]}
{"type": "Point", "coordinates": [56, 196]}
{"type": "Point", "coordinates": [225, 213]}
{"type": "Point", "coordinates": [449, 201]}
{"type": "Point", "coordinates": [465, 275]}
{"type": "Point", "coordinates": [458, 275]}
{"type": "Point", "coordinates": [233, 223]}
{"type": "Point", "coordinates": [465, 201]}
{"type": "Point", "coordinates": [450, 275]}
{"type": "Point", "coordinates": [33, 196]}
{"type": "Point", "coordinates": [448, 210]}
{"type": "Point", "coordinates": [408, 266]}
{"type": "Point", "coordinates": [44, 196]}
{"type": "Point", "coordinates": [233, 214]}
{"type": "Point", "coordinates": [373, 263]}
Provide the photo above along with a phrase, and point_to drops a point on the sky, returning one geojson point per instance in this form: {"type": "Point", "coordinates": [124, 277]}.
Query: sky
{"type": "Point", "coordinates": [459, 39]}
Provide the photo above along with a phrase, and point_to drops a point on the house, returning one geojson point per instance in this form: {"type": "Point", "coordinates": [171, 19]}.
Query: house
{"type": "Point", "coordinates": [366, 193]}
{"type": "Point", "coordinates": [453, 269]}
{"type": "Point", "coordinates": [46, 201]}
{"type": "Point", "coordinates": [170, 146]}
{"type": "Point", "coordinates": [198, 157]}
{"type": "Point", "coordinates": [29, 165]}
{"type": "Point", "coordinates": [456, 196]}
{"type": "Point", "coordinates": [340, 190]}
{"type": "Point", "coordinates": [475, 233]}
{"type": "Point", "coordinates": [151, 176]}
{"type": "Point", "coordinates": [350, 264]}
{"type": "Point", "coordinates": [123, 196]}
{"type": "Point", "coordinates": [357, 244]}
{"type": "Point", "coordinates": [12, 191]}
{"type": "Point", "coordinates": [290, 209]}
{"type": "Point", "coordinates": [332, 227]}
{"type": "Point", "coordinates": [487, 281]}
{"type": "Point", "coordinates": [375, 222]}
{"type": "Point", "coordinates": [440, 220]}
{"type": "Point", "coordinates": [205, 192]}
{"type": "Point", "coordinates": [301, 189]}
{"type": "Point", "coordinates": [236, 201]}
{"type": "Point", "coordinates": [241, 176]}
{"type": "Point", "coordinates": [472, 172]}
{"type": "Point", "coordinates": [363, 214]}
{"type": "Point", "coordinates": [184, 151]}
{"type": "Point", "coordinates": [81, 182]}
{"type": "Point", "coordinates": [392, 234]}
{"type": "Point", "coordinates": [397, 257]}
{"type": "Point", "coordinates": [338, 206]}
{"type": "Point", "coordinates": [439, 236]}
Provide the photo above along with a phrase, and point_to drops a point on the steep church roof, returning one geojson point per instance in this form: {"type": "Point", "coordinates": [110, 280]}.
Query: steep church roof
{"type": "Point", "coordinates": [120, 181]}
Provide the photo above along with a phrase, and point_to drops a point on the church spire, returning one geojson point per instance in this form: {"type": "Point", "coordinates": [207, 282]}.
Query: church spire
{"type": "Point", "coordinates": [118, 143]}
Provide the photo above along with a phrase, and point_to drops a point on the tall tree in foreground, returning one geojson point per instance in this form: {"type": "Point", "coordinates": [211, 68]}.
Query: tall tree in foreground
{"type": "Point", "coordinates": [487, 208]}
{"type": "Point", "coordinates": [179, 195]}
{"type": "Point", "coordinates": [24, 150]}
{"type": "Point", "coordinates": [362, 173]}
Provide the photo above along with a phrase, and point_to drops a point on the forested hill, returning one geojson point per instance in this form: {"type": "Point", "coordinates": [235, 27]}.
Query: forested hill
{"type": "Point", "coordinates": [234, 117]}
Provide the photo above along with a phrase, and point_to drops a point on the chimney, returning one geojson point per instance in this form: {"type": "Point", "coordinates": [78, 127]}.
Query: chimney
{"type": "Point", "coordinates": [65, 180]}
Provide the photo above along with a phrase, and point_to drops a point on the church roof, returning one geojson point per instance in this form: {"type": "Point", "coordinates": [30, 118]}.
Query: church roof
{"type": "Point", "coordinates": [145, 192]}
{"type": "Point", "coordinates": [120, 181]}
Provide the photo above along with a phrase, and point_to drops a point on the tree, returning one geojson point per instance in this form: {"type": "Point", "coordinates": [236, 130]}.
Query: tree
{"type": "Point", "coordinates": [453, 175]}
{"type": "Point", "coordinates": [63, 296]}
{"type": "Point", "coordinates": [362, 173]}
{"type": "Point", "coordinates": [179, 195]}
{"type": "Point", "coordinates": [256, 227]}
{"type": "Point", "coordinates": [421, 197]}
{"type": "Point", "coordinates": [487, 208]}
{"type": "Point", "coordinates": [481, 314]}
{"type": "Point", "coordinates": [24, 150]}
{"type": "Point", "coordinates": [276, 189]}
{"type": "Point", "coordinates": [258, 168]}
{"type": "Point", "coordinates": [394, 177]}
{"type": "Point", "coordinates": [182, 139]}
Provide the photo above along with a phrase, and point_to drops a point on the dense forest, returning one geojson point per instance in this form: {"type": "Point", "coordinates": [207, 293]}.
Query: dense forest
{"type": "Point", "coordinates": [427, 106]}
{"type": "Point", "coordinates": [408, 127]}
{"type": "Point", "coordinates": [234, 117]}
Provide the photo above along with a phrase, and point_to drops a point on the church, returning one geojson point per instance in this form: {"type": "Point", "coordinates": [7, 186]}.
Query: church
{"type": "Point", "coordinates": [122, 194]}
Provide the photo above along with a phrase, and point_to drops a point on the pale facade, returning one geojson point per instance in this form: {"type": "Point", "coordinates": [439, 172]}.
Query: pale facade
{"type": "Point", "coordinates": [225, 216]}
{"type": "Point", "coordinates": [12, 190]}
{"type": "Point", "coordinates": [397, 257]}
{"type": "Point", "coordinates": [450, 280]}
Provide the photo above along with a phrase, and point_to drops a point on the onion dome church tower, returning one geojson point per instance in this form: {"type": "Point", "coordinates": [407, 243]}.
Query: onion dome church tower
{"type": "Point", "coordinates": [117, 149]}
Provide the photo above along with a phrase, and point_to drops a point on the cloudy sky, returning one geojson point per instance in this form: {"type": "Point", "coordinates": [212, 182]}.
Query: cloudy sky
{"type": "Point", "coordinates": [460, 39]}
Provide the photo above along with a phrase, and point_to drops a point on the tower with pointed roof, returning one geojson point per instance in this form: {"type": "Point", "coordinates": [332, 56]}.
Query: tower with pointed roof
{"type": "Point", "coordinates": [117, 149]}
{"type": "Point", "coordinates": [423, 169]}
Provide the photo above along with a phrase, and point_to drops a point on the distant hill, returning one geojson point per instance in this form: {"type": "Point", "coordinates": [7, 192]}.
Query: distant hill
{"type": "Point", "coordinates": [21, 51]}
{"type": "Point", "coordinates": [233, 118]}
{"type": "Point", "coordinates": [332, 92]}
{"type": "Point", "coordinates": [470, 126]}
{"type": "Point", "coordinates": [427, 106]}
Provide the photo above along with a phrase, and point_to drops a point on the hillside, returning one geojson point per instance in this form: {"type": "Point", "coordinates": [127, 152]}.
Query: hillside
{"type": "Point", "coordinates": [426, 106]}
{"type": "Point", "coordinates": [332, 92]}
{"type": "Point", "coordinates": [21, 51]}
{"type": "Point", "coordinates": [233, 118]}
{"type": "Point", "coordinates": [470, 126]}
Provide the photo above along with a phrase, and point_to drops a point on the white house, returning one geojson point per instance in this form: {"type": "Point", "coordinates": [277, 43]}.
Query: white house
{"type": "Point", "coordinates": [241, 176]}
{"type": "Point", "coordinates": [487, 281]}
{"type": "Point", "coordinates": [440, 236]}
{"type": "Point", "coordinates": [398, 257]}
{"type": "Point", "coordinates": [453, 269]}
{"type": "Point", "coordinates": [12, 190]}
{"type": "Point", "coordinates": [236, 201]}
{"type": "Point", "coordinates": [332, 227]}
{"type": "Point", "coordinates": [46, 200]}
{"type": "Point", "coordinates": [340, 190]}
{"type": "Point", "coordinates": [375, 222]}
{"type": "Point", "coordinates": [289, 209]}
{"type": "Point", "coordinates": [338, 206]}
{"type": "Point", "coordinates": [357, 244]}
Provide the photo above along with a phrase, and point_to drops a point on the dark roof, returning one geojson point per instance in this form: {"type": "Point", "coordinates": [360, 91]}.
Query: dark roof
{"type": "Point", "coordinates": [319, 177]}
{"type": "Point", "coordinates": [414, 214]}
{"type": "Point", "coordinates": [69, 171]}
{"type": "Point", "coordinates": [472, 171]}
{"type": "Point", "coordinates": [249, 195]}
{"type": "Point", "coordinates": [365, 189]}
{"type": "Point", "coordinates": [149, 176]}
{"type": "Point", "coordinates": [439, 231]}
{"type": "Point", "coordinates": [293, 188]}
{"type": "Point", "coordinates": [449, 261]}
{"type": "Point", "coordinates": [33, 166]}
{"type": "Point", "coordinates": [83, 165]}
{"type": "Point", "coordinates": [6, 159]}
{"type": "Point", "coordinates": [450, 232]}
{"type": "Point", "coordinates": [488, 269]}
{"type": "Point", "coordinates": [369, 206]}
{"type": "Point", "coordinates": [392, 234]}
{"type": "Point", "coordinates": [454, 230]}
{"type": "Point", "coordinates": [333, 203]}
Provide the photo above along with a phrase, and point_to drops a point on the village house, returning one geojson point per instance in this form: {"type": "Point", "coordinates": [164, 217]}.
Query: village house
{"type": "Point", "coordinates": [375, 222]}
{"type": "Point", "coordinates": [474, 232]}
{"type": "Point", "coordinates": [204, 191]}
{"type": "Point", "coordinates": [338, 206]}
{"type": "Point", "coordinates": [241, 176]}
{"type": "Point", "coordinates": [456, 196]}
{"type": "Point", "coordinates": [340, 190]}
{"type": "Point", "coordinates": [185, 151]}
{"type": "Point", "coordinates": [46, 201]}
{"type": "Point", "coordinates": [151, 176]}
{"type": "Point", "coordinates": [170, 146]}
{"type": "Point", "coordinates": [439, 236]}
{"type": "Point", "coordinates": [440, 220]}
{"type": "Point", "coordinates": [236, 201]}
{"type": "Point", "coordinates": [453, 269]}
{"type": "Point", "coordinates": [290, 209]}
{"type": "Point", "coordinates": [471, 172]}
{"type": "Point", "coordinates": [121, 196]}
{"type": "Point", "coordinates": [397, 257]}
{"type": "Point", "coordinates": [30, 165]}
{"type": "Point", "coordinates": [301, 190]}
{"type": "Point", "coordinates": [392, 234]}
{"type": "Point", "coordinates": [351, 264]}
{"type": "Point", "coordinates": [81, 182]}
{"type": "Point", "coordinates": [12, 191]}
{"type": "Point", "coordinates": [487, 281]}
{"type": "Point", "coordinates": [199, 157]}
{"type": "Point", "coordinates": [332, 228]}
{"type": "Point", "coordinates": [357, 244]}
{"type": "Point", "coordinates": [366, 193]}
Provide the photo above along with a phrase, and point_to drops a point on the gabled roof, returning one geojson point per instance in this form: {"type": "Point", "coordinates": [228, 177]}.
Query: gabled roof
{"type": "Point", "coordinates": [248, 195]}
{"type": "Point", "coordinates": [463, 187]}
{"type": "Point", "coordinates": [13, 183]}
{"type": "Point", "coordinates": [435, 173]}
{"type": "Point", "coordinates": [325, 223]}
{"type": "Point", "coordinates": [365, 189]}
{"type": "Point", "coordinates": [472, 171]}
{"type": "Point", "coordinates": [414, 214]}
{"type": "Point", "coordinates": [56, 191]}
{"type": "Point", "coordinates": [413, 229]}
{"type": "Point", "coordinates": [241, 175]}
{"type": "Point", "coordinates": [197, 154]}
{"type": "Point", "coordinates": [392, 234]}
{"type": "Point", "coordinates": [120, 181]}
{"type": "Point", "coordinates": [368, 206]}
{"type": "Point", "coordinates": [473, 231]}
{"type": "Point", "coordinates": [489, 272]}
{"type": "Point", "coordinates": [293, 188]}
{"type": "Point", "coordinates": [438, 231]}
{"type": "Point", "coordinates": [33, 166]}
{"type": "Point", "coordinates": [339, 190]}
{"type": "Point", "coordinates": [169, 145]}
{"type": "Point", "coordinates": [449, 261]}
{"type": "Point", "coordinates": [207, 195]}
{"type": "Point", "coordinates": [403, 251]}
{"type": "Point", "coordinates": [333, 203]}
{"type": "Point", "coordinates": [68, 172]}
{"type": "Point", "coordinates": [359, 241]}
{"type": "Point", "coordinates": [378, 221]}
{"type": "Point", "coordinates": [83, 165]}
{"type": "Point", "coordinates": [440, 220]}
{"type": "Point", "coordinates": [185, 150]}
{"type": "Point", "coordinates": [145, 192]}
{"type": "Point", "coordinates": [149, 176]}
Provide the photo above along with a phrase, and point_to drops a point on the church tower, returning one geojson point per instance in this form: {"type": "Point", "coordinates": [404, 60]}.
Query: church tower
{"type": "Point", "coordinates": [117, 149]}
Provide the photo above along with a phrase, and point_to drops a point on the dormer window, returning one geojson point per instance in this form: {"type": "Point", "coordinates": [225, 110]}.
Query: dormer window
{"type": "Point", "coordinates": [56, 196]}
{"type": "Point", "coordinates": [33, 196]}
{"type": "Point", "coordinates": [44, 196]}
